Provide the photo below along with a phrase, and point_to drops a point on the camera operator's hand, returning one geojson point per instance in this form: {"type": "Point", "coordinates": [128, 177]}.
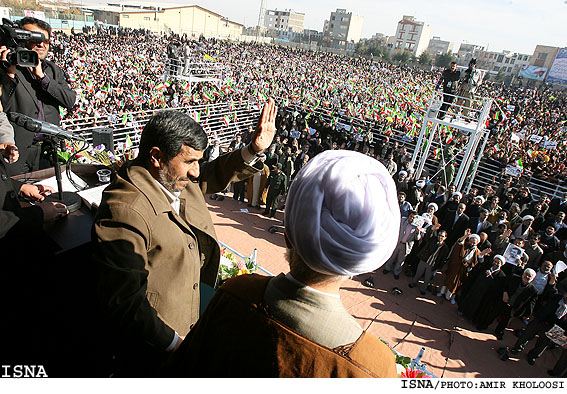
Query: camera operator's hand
{"type": "Point", "coordinates": [10, 152]}
{"type": "Point", "coordinates": [10, 71]}
{"type": "Point", "coordinates": [38, 71]}
{"type": "Point", "coordinates": [35, 192]}
{"type": "Point", "coordinates": [52, 210]}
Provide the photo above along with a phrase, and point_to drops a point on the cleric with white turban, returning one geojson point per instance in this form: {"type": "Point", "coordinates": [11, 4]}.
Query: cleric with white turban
{"type": "Point", "coordinates": [341, 214]}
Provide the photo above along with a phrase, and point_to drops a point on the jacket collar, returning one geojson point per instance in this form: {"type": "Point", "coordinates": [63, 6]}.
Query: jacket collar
{"type": "Point", "coordinates": [141, 178]}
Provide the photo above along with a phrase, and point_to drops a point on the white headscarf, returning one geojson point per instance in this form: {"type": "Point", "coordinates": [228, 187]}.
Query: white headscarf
{"type": "Point", "coordinates": [342, 214]}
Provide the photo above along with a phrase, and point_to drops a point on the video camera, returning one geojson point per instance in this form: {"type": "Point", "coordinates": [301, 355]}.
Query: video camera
{"type": "Point", "coordinates": [14, 39]}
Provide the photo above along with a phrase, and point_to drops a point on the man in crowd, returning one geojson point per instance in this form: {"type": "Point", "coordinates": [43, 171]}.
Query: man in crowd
{"type": "Point", "coordinates": [37, 92]}
{"type": "Point", "coordinates": [432, 257]}
{"type": "Point", "coordinates": [449, 81]}
{"type": "Point", "coordinates": [277, 186]}
{"type": "Point", "coordinates": [408, 235]}
{"type": "Point", "coordinates": [154, 240]}
{"type": "Point", "coordinates": [307, 332]}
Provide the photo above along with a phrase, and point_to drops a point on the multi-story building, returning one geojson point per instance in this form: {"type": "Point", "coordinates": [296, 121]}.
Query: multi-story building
{"type": "Point", "coordinates": [466, 53]}
{"type": "Point", "coordinates": [288, 20]}
{"type": "Point", "coordinates": [192, 21]}
{"type": "Point", "coordinates": [344, 27]}
{"type": "Point", "coordinates": [437, 46]}
{"type": "Point", "coordinates": [506, 63]}
{"type": "Point", "coordinates": [411, 35]}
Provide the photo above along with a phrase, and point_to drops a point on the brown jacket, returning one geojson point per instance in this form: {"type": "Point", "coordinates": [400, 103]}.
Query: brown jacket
{"type": "Point", "coordinates": [236, 337]}
{"type": "Point", "coordinates": [149, 259]}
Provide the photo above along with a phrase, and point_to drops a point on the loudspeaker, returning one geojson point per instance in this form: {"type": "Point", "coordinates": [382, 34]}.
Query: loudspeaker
{"type": "Point", "coordinates": [104, 136]}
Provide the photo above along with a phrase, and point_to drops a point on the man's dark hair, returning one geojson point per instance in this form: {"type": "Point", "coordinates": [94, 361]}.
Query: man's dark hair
{"type": "Point", "coordinates": [169, 130]}
{"type": "Point", "coordinates": [28, 20]}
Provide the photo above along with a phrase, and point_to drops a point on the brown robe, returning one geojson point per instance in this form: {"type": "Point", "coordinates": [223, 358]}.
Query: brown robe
{"type": "Point", "coordinates": [261, 194]}
{"type": "Point", "coordinates": [236, 337]}
{"type": "Point", "coordinates": [457, 269]}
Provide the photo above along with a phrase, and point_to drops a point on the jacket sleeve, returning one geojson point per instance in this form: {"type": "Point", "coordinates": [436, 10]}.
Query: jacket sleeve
{"type": "Point", "coordinates": [216, 175]}
{"type": "Point", "coordinates": [59, 89]}
{"type": "Point", "coordinates": [120, 238]}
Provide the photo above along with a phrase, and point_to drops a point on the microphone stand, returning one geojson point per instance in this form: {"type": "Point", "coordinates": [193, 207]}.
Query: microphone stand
{"type": "Point", "coordinates": [70, 199]}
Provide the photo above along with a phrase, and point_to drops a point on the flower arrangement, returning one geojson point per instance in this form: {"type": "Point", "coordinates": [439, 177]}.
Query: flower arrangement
{"type": "Point", "coordinates": [100, 155]}
{"type": "Point", "coordinates": [414, 373]}
{"type": "Point", "coordinates": [232, 265]}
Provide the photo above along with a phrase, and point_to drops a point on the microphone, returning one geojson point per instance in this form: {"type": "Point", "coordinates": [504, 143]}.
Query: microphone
{"type": "Point", "coordinates": [39, 126]}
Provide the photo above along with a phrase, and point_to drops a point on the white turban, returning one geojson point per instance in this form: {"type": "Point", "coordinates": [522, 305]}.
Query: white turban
{"type": "Point", "coordinates": [432, 204]}
{"type": "Point", "coordinates": [457, 194]}
{"type": "Point", "coordinates": [528, 217]}
{"type": "Point", "coordinates": [480, 198]}
{"type": "Point", "coordinates": [420, 183]}
{"type": "Point", "coordinates": [342, 215]}
{"type": "Point", "coordinates": [476, 236]}
{"type": "Point", "coordinates": [402, 172]}
{"type": "Point", "coordinates": [500, 257]}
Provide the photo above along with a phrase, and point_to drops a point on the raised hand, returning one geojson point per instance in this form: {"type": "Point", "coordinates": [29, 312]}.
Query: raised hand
{"type": "Point", "coordinates": [266, 128]}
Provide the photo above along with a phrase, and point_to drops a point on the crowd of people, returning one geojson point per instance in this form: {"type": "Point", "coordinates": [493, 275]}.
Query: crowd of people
{"type": "Point", "coordinates": [497, 246]}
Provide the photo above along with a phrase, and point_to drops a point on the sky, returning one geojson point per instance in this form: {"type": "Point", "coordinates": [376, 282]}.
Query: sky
{"type": "Point", "coordinates": [515, 25]}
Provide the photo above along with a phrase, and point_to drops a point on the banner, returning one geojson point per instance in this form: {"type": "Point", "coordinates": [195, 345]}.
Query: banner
{"type": "Point", "coordinates": [558, 71]}
{"type": "Point", "coordinates": [35, 14]}
{"type": "Point", "coordinates": [532, 72]}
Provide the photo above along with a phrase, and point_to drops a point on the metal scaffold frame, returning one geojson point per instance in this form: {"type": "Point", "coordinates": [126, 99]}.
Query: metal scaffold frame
{"type": "Point", "coordinates": [468, 115]}
{"type": "Point", "coordinates": [195, 71]}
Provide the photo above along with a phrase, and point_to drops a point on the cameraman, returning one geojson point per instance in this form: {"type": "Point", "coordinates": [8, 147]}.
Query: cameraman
{"type": "Point", "coordinates": [36, 92]}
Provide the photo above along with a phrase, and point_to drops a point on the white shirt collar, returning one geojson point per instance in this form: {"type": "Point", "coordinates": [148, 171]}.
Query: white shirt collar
{"type": "Point", "coordinates": [173, 198]}
{"type": "Point", "coordinates": [289, 277]}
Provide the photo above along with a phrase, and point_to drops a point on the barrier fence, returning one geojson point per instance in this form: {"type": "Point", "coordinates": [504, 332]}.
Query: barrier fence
{"type": "Point", "coordinates": [224, 120]}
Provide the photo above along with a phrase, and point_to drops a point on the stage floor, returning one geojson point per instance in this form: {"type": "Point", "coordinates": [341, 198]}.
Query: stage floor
{"type": "Point", "coordinates": [406, 322]}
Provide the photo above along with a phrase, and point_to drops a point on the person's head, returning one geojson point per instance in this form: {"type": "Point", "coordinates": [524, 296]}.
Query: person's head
{"type": "Point", "coordinates": [494, 201]}
{"type": "Point", "coordinates": [534, 238]}
{"type": "Point", "coordinates": [305, 159]}
{"type": "Point", "coordinates": [514, 209]}
{"type": "Point", "coordinates": [564, 196]}
{"type": "Point", "coordinates": [441, 236]}
{"type": "Point", "coordinates": [402, 175]}
{"type": "Point", "coordinates": [523, 192]}
{"type": "Point", "coordinates": [483, 214]}
{"type": "Point", "coordinates": [34, 24]}
{"type": "Point", "coordinates": [560, 217]}
{"type": "Point", "coordinates": [452, 189]}
{"type": "Point", "coordinates": [478, 200]}
{"type": "Point", "coordinates": [441, 189]}
{"type": "Point", "coordinates": [238, 138]}
{"type": "Point", "coordinates": [432, 208]}
{"type": "Point", "coordinates": [453, 66]}
{"type": "Point", "coordinates": [528, 275]}
{"type": "Point", "coordinates": [341, 218]}
{"type": "Point", "coordinates": [472, 240]}
{"type": "Point", "coordinates": [411, 217]}
{"type": "Point", "coordinates": [498, 261]}
{"type": "Point", "coordinates": [216, 142]}
{"type": "Point", "coordinates": [519, 242]}
{"type": "Point", "coordinates": [472, 63]}
{"type": "Point", "coordinates": [272, 149]}
{"type": "Point", "coordinates": [488, 191]}
{"type": "Point", "coordinates": [401, 197]}
{"type": "Point", "coordinates": [527, 220]}
{"type": "Point", "coordinates": [456, 196]}
{"type": "Point", "coordinates": [502, 227]}
{"type": "Point", "coordinates": [550, 231]}
{"type": "Point", "coordinates": [483, 236]}
{"type": "Point", "coordinates": [503, 215]}
{"type": "Point", "coordinates": [546, 267]}
{"type": "Point", "coordinates": [461, 208]}
{"type": "Point", "coordinates": [277, 167]}
{"type": "Point", "coordinates": [171, 146]}
{"type": "Point", "coordinates": [305, 148]}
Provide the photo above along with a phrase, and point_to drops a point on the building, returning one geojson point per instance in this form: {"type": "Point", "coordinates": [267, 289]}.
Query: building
{"type": "Point", "coordinates": [439, 47]}
{"type": "Point", "coordinates": [192, 21]}
{"type": "Point", "coordinates": [411, 36]}
{"type": "Point", "coordinates": [466, 53]}
{"type": "Point", "coordinates": [344, 27]}
{"type": "Point", "coordinates": [288, 21]}
{"type": "Point", "coordinates": [506, 63]}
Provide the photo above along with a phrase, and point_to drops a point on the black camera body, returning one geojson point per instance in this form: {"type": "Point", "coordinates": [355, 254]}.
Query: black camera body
{"type": "Point", "coordinates": [14, 39]}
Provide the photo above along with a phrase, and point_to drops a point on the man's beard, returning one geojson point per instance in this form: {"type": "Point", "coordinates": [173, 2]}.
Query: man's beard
{"type": "Point", "coordinates": [169, 180]}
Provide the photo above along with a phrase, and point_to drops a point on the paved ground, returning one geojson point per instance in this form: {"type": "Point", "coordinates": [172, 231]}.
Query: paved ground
{"type": "Point", "coordinates": [407, 321]}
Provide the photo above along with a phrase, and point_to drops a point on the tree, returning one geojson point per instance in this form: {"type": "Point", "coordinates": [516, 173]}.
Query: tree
{"type": "Point", "coordinates": [444, 59]}
{"type": "Point", "coordinates": [402, 57]}
{"type": "Point", "coordinates": [425, 59]}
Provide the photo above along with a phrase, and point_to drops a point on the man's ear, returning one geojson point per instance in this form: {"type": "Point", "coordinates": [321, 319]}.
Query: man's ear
{"type": "Point", "coordinates": [156, 157]}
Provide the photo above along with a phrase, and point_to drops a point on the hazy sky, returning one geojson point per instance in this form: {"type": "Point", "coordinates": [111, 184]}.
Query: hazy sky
{"type": "Point", "coordinates": [516, 25]}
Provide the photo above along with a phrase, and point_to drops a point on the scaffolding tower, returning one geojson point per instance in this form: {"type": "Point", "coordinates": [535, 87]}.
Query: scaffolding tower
{"type": "Point", "coordinates": [194, 70]}
{"type": "Point", "coordinates": [469, 116]}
